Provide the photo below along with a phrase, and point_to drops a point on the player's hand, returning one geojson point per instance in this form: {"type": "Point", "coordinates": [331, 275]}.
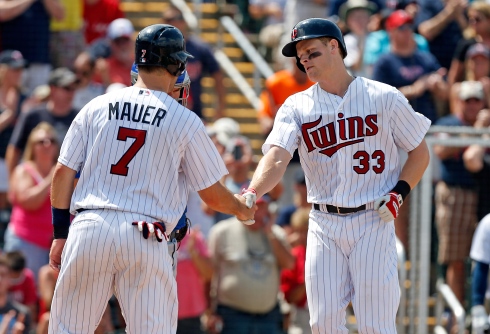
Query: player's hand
{"type": "Point", "coordinates": [388, 206]}
{"type": "Point", "coordinates": [149, 229]}
{"type": "Point", "coordinates": [479, 319]}
{"type": "Point", "coordinates": [55, 254]}
{"type": "Point", "coordinates": [246, 214]}
{"type": "Point", "coordinates": [250, 196]}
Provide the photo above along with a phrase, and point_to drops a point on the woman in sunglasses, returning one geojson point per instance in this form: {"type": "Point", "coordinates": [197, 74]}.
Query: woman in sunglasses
{"type": "Point", "coordinates": [30, 230]}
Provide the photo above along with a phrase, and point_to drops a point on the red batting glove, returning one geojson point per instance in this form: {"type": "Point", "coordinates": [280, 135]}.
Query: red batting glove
{"type": "Point", "coordinates": [148, 229]}
{"type": "Point", "coordinates": [388, 206]}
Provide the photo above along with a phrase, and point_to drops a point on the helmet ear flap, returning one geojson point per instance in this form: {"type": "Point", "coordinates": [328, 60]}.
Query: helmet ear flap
{"type": "Point", "coordinates": [300, 66]}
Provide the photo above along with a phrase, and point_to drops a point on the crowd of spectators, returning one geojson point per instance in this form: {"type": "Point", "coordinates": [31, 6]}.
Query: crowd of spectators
{"type": "Point", "coordinates": [56, 55]}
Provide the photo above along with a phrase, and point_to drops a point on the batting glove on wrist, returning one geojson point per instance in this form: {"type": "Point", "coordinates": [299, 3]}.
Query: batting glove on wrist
{"type": "Point", "coordinates": [388, 206]}
{"type": "Point", "coordinates": [479, 319]}
{"type": "Point", "coordinates": [148, 229]}
{"type": "Point", "coordinates": [250, 196]}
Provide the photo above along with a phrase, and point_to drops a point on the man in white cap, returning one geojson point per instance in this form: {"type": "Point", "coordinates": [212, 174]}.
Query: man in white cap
{"type": "Point", "coordinates": [117, 66]}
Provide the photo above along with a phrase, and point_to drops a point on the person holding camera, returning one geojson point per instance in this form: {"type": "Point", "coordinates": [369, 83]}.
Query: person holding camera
{"type": "Point", "coordinates": [247, 260]}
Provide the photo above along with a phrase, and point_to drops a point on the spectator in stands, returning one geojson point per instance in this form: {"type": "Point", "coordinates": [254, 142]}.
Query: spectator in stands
{"type": "Point", "coordinates": [480, 254]}
{"type": "Point", "coordinates": [58, 112]}
{"type": "Point", "coordinates": [202, 64]}
{"type": "Point", "coordinates": [300, 201]}
{"type": "Point", "coordinates": [271, 12]}
{"type": "Point", "coordinates": [477, 68]}
{"type": "Point", "coordinates": [97, 15]}
{"type": "Point", "coordinates": [416, 74]}
{"type": "Point", "coordinates": [441, 22]}
{"type": "Point", "coordinates": [116, 67]}
{"type": "Point", "coordinates": [87, 88]}
{"type": "Point", "coordinates": [293, 280]}
{"type": "Point", "coordinates": [11, 67]}
{"type": "Point", "coordinates": [67, 39]}
{"type": "Point", "coordinates": [455, 194]}
{"type": "Point", "coordinates": [22, 283]}
{"type": "Point", "coordinates": [20, 312]}
{"type": "Point", "coordinates": [479, 32]}
{"type": "Point", "coordinates": [194, 271]}
{"type": "Point", "coordinates": [355, 14]}
{"type": "Point", "coordinates": [477, 161]}
{"type": "Point", "coordinates": [25, 27]}
{"type": "Point", "coordinates": [30, 230]}
{"type": "Point", "coordinates": [378, 41]}
{"type": "Point", "coordinates": [247, 261]}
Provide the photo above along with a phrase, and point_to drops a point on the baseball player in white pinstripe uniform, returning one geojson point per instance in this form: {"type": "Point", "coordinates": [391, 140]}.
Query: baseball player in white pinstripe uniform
{"type": "Point", "coordinates": [141, 153]}
{"type": "Point", "coordinates": [347, 131]}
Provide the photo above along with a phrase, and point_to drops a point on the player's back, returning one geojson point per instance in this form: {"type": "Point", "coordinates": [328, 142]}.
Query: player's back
{"type": "Point", "coordinates": [135, 142]}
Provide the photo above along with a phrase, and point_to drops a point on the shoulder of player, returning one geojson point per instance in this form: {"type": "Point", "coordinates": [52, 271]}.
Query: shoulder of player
{"type": "Point", "coordinates": [378, 86]}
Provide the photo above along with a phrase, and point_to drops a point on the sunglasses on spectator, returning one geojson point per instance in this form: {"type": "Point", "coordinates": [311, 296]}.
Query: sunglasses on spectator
{"type": "Point", "coordinates": [83, 73]}
{"type": "Point", "coordinates": [46, 142]}
{"type": "Point", "coordinates": [405, 27]}
{"type": "Point", "coordinates": [475, 19]}
{"type": "Point", "coordinates": [70, 88]}
{"type": "Point", "coordinates": [121, 40]}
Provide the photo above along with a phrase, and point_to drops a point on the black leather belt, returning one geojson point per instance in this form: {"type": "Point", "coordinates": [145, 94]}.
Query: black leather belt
{"type": "Point", "coordinates": [81, 210]}
{"type": "Point", "coordinates": [337, 209]}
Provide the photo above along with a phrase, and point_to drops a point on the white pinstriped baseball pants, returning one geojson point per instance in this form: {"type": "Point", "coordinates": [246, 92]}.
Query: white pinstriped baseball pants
{"type": "Point", "coordinates": [103, 255]}
{"type": "Point", "coordinates": [351, 258]}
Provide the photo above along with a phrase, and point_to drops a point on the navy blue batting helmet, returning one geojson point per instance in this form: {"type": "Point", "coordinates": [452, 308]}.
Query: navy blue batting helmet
{"type": "Point", "coordinates": [162, 45]}
{"type": "Point", "coordinates": [313, 28]}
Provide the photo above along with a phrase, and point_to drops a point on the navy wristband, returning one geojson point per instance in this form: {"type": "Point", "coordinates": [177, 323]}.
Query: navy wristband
{"type": "Point", "coordinates": [61, 222]}
{"type": "Point", "coordinates": [402, 188]}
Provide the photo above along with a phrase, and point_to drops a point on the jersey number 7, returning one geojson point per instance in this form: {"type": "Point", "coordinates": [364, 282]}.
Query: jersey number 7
{"type": "Point", "coordinates": [121, 167]}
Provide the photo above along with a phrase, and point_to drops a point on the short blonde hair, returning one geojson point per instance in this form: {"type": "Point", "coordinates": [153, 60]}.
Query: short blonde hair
{"type": "Point", "coordinates": [300, 218]}
{"type": "Point", "coordinates": [29, 150]}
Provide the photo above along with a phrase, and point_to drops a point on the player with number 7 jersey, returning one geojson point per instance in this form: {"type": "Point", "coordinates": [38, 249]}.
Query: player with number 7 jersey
{"type": "Point", "coordinates": [141, 152]}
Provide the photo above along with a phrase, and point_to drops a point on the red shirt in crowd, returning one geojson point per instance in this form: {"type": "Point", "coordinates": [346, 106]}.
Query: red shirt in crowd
{"type": "Point", "coordinates": [291, 278]}
{"type": "Point", "coordinates": [23, 289]}
{"type": "Point", "coordinates": [97, 17]}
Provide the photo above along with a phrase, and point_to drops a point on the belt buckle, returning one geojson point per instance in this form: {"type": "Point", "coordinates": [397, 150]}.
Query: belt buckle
{"type": "Point", "coordinates": [338, 210]}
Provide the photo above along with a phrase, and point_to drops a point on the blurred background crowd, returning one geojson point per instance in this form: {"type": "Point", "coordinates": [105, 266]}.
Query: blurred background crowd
{"type": "Point", "coordinates": [56, 55]}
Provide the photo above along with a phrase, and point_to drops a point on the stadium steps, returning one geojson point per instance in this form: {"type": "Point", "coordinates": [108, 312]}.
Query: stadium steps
{"type": "Point", "coordinates": [145, 12]}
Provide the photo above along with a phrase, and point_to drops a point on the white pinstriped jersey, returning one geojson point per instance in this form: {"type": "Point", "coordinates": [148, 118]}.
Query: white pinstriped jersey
{"type": "Point", "coordinates": [348, 146]}
{"type": "Point", "coordinates": [140, 151]}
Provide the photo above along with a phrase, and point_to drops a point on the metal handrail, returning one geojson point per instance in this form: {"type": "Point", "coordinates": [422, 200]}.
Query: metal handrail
{"type": "Point", "coordinates": [445, 294]}
{"type": "Point", "coordinates": [237, 78]}
{"type": "Point", "coordinates": [247, 47]}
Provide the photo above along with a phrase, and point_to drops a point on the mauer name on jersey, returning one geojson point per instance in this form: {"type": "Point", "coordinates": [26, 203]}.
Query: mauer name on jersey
{"type": "Point", "coordinates": [352, 130]}
{"type": "Point", "coordinates": [136, 113]}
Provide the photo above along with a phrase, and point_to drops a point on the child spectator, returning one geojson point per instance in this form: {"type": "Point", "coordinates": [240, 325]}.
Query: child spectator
{"type": "Point", "coordinates": [23, 284]}
{"type": "Point", "coordinates": [6, 305]}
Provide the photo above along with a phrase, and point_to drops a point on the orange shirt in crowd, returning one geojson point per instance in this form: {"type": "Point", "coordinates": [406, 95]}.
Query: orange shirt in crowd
{"type": "Point", "coordinates": [279, 87]}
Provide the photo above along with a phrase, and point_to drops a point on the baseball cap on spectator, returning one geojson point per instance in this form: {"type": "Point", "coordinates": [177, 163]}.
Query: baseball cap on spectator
{"type": "Point", "coordinates": [13, 59]}
{"type": "Point", "coordinates": [120, 28]}
{"type": "Point", "coordinates": [471, 90]}
{"type": "Point", "coordinates": [225, 129]}
{"type": "Point", "coordinates": [478, 49]}
{"type": "Point", "coordinates": [351, 5]}
{"type": "Point", "coordinates": [397, 19]}
{"type": "Point", "coordinates": [62, 77]}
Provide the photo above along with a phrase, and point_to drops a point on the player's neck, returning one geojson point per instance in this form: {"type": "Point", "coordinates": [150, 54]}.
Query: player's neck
{"type": "Point", "coordinates": [337, 83]}
{"type": "Point", "coordinates": [162, 84]}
